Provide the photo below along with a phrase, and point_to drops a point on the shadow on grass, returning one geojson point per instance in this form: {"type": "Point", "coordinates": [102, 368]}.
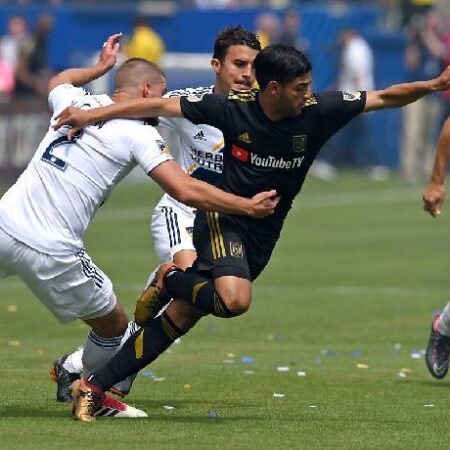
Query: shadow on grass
{"type": "Point", "coordinates": [7, 412]}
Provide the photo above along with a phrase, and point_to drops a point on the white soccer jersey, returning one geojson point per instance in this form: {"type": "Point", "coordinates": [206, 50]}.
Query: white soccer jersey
{"type": "Point", "coordinates": [197, 148]}
{"type": "Point", "coordinates": [54, 200]}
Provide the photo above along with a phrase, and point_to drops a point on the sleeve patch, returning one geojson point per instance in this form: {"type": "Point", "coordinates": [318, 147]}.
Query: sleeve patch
{"type": "Point", "coordinates": [351, 96]}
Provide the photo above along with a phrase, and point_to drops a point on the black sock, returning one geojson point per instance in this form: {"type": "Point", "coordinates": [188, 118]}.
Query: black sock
{"type": "Point", "coordinates": [198, 291]}
{"type": "Point", "coordinates": [139, 350]}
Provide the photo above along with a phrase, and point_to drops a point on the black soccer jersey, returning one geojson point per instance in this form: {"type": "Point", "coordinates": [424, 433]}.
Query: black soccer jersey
{"type": "Point", "coordinates": [261, 154]}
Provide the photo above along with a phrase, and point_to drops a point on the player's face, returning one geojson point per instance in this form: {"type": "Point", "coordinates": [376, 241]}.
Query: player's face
{"type": "Point", "coordinates": [294, 94]}
{"type": "Point", "coordinates": [236, 70]}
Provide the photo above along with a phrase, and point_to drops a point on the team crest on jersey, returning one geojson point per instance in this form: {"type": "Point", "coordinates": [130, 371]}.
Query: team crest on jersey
{"type": "Point", "coordinates": [193, 98]}
{"type": "Point", "coordinates": [351, 96]}
{"type": "Point", "coordinates": [245, 137]}
{"type": "Point", "coordinates": [236, 250]}
{"type": "Point", "coordinates": [190, 231]}
{"type": "Point", "coordinates": [299, 143]}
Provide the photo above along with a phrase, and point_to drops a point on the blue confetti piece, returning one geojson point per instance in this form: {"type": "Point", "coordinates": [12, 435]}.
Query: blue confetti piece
{"type": "Point", "coordinates": [148, 373]}
{"type": "Point", "coordinates": [328, 352]}
{"type": "Point", "coordinates": [213, 414]}
{"type": "Point", "coordinates": [247, 360]}
{"type": "Point", "coordinates": [357, 353]}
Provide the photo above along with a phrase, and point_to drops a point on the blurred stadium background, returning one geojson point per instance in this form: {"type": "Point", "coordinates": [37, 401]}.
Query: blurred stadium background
{"type": "Point", "coordinates": [69, 33]}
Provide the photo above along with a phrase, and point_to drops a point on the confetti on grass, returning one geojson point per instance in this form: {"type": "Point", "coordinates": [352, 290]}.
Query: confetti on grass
{"type": "Point", "coordinates": [213, 414]}
{"type": "Point", "coordinates": [278, 395]}
{"type": "Point", "coordinates": [283, 369]}
{"type": "Point", "coordinates": [301, 373]}
{"type": "Point", "coordinates": [169, 407]}
{"type": "Point", "coordinates": [430, 405]}
{"type": "Point", "coordinates": [362, 366]}
{"type": "Point", "coordinates": [247, 360]}
{"type": "Point", "coordinates": [11, 308]}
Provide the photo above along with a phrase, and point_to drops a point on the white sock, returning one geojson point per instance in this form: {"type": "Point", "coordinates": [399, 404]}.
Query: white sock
{"type": "Point", "coordinates": [443, 323]}
{"type": "Point", "coordinates": [99, 350]}
{"type": "Point", "coordinates": [74, 363]}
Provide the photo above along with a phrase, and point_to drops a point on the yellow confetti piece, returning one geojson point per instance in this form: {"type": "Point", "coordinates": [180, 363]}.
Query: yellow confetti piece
{"type": "Point", "coordinates": [14, 343]}
{"type": "Point", "coordinates": [187, 386]}
{"type": "Point", "coordinates": [40, 352]}
{"type": "Point", "coordinates": [362, 366]}
{"type": "Point", "coordinates": [12, 308]}
{"type": "Point", "coordinates": [231, 355]}
{"type": "Point", "coordinates": [270, 337]}
{"type": "Point", "coordinates": [406, 370]}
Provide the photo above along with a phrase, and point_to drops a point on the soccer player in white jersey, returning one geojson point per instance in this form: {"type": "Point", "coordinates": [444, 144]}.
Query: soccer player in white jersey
{"type": "Point", "coordinates": [198, 150]}
{"type": "Point", "coordinates": [44, 215]}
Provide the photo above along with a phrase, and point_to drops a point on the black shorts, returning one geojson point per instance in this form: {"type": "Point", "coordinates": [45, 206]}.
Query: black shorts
{"type": "Point", "coordinates": [226, 247]}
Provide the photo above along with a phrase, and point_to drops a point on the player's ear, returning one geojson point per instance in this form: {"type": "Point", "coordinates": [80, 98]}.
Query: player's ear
{"type": "Point", "coordinates": [215, 65]}
{"type": "Point", "coordinates": [146, 90]}
{"type": "Point", "coordinates": [273, 87]}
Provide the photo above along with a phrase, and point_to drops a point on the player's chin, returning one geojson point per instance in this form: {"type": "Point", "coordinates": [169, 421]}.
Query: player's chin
{"type": "Point", "coordinates": [241, 86]}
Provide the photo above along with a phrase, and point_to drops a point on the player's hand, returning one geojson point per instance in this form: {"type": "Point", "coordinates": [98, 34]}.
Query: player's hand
{"type": "Point", "coordinates": [433, 198]}
{"type": "Point", "coordinates": [264, 204]}
{"type": "Point", "coordinates": [443, 80]}
{"type": "Point", "coordinates": [74, 117]}
{"type": "Point", "coordinates": [110, 50]}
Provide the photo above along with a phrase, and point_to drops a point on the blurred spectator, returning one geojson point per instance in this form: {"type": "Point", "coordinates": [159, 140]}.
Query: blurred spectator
{"type": "Point", "coordinates": [267, 28]}
{"type": "Point", "coordinates": [145, 43]}
{"type": "Point", "coordinates": [353, 145]}
{"type": "Point", "coordinates": [12, 42]}
{"type": "Point", "coordinates": [424, 57]}
{"type": "Point", "coordinates": [290, 32]}
{"type": "Point", "coordinates": [33, 73]}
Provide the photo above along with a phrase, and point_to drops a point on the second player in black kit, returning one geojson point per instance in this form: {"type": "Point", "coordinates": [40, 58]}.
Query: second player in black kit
{"type": "Point", "coordinates": [259, 155]}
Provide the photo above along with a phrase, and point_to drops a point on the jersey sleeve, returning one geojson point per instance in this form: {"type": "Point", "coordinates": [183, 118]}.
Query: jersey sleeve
{"type": "Point", "coordinates": [338, 108]}
{"type": "Point", "coordinates": [149, 149]}
{"type": "Point", "coordinates": [65, 95]}
{"type": "Point", "coordinates": [210, 109]}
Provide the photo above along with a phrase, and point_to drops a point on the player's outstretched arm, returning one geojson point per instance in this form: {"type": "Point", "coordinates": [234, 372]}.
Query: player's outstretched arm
{"type": "Point", "coordinates": [434, 194]}
{"type": "Point", "coordinates": [140, 108]}
{"type": "Point", "coordinates": [204, 196]}
{"type": "Point", "coordinates": [81, 76]}
{"type": "Point", "coordinates": [399, 95]}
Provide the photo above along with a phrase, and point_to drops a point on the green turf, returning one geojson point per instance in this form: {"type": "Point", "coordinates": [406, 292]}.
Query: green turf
{"type": "Point", "coordinates": [359, 270]}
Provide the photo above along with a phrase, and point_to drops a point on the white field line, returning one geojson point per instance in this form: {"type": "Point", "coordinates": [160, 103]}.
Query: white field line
{"type": "Point", "coordinates": [383, 291]}
{"type": "Point", "coordinates": [339, 199]}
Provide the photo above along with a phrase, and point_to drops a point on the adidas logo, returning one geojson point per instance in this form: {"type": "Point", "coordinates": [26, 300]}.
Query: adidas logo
{"type": "Point", "coordinates": [245, 137]}
{"type": "Point", "coordinates": [200, 136]}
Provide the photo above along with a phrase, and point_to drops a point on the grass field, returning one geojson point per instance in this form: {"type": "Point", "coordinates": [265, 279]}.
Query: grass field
{"type": "Point", "coordinates": [356, 276]}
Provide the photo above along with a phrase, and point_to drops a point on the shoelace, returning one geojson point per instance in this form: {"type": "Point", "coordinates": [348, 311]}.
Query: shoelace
{"type": "Point", "coordinates": [92, 399]}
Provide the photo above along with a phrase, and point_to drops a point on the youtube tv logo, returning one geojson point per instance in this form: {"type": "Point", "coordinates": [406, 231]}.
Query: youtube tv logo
{"type": "Point", "coordinates": [239, 153]}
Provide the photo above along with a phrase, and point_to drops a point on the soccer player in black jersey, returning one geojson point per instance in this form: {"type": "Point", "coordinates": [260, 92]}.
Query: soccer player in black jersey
{"type": "Point", "coordinates": [271, 139]}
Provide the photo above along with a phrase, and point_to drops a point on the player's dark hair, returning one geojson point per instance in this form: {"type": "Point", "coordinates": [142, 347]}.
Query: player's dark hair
{"type": "Point", "coordinates": [135, 71]}
{"type": "Point", "coordinates": [281, 63]}
{"type": "Point", "coordinates": [234, 36]}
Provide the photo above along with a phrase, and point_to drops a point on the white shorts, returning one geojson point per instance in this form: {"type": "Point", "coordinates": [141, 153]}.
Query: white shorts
{"type": "Point", "coordinates": [71, 287]}
{"type": "Point", "coordinates": [172, 227]}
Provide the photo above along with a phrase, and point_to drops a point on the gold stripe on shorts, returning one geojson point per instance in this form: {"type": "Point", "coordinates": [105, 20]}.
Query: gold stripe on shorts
{"type": "Point", "coordinates": [217, 244]}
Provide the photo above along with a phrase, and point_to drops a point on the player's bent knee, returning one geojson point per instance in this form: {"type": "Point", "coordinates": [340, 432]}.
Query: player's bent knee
{"type": "Point", "coordinates": [238, 305]}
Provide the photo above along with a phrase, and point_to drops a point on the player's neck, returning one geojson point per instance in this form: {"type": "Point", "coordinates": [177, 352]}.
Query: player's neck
{"type": "Point", "coordinates": [220, 88]}
{"type": "Point", "coordinates": [269, 109]}
{"type": "Point", "coordinates": [121, 96]}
